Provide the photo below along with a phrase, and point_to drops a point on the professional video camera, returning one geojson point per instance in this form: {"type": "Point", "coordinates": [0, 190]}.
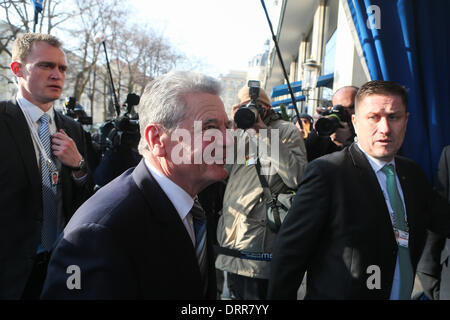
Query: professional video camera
{"type": "Point", "coordinates": [124, 130]}
{"type": "Point", "coordinates": [331, 120]}
{"type": "Point", "coordinates": [76, 111]}
{"type": "Point", "coordinates": [247, 115]}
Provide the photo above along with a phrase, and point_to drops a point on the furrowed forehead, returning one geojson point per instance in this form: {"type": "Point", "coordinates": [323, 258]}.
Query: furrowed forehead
{"type": "Point", "coordinates": [369, 101]}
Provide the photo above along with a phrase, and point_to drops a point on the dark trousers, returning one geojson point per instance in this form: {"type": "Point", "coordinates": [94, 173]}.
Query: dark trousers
{"type": "Point", "coordinates": [246, 288]}
{"type": "Point", "coordinates": [36, 280]}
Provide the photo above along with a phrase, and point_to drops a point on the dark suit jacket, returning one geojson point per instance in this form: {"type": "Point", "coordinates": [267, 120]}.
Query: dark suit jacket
{"type": "Point", "coordinates": [21, 196]}
{"type": "Point", "coordinates": [434, 262]}
{"type": "Point", "coordinates": [339, 225]}
{"type": "Point", "coordinates": [129, 243]}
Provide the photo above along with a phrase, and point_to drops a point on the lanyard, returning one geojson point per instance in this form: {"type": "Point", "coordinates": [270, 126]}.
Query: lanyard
{"type": "Point", "coordinates": [37, 140]}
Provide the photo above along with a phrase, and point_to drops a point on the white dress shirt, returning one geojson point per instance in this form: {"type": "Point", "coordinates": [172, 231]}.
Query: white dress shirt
{"type": "Point", "coordinates": [35, 114]}
{"type": "Point", "coordinates": [377, 165]}
{"type": "Point", "coordinates": [180, 199]}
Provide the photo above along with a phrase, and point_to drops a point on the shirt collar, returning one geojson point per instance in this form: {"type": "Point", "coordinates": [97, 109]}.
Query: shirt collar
{"type": "Point", "coordinates": [32, 110]}
{"type": "Point", "coordinates": [180, 199]}
{"type": "Point", "coordinates": [376, 164]}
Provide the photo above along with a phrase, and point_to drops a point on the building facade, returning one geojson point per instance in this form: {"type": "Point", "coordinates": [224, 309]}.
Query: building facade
{"type": "Point", "coordinates": [322, 31]}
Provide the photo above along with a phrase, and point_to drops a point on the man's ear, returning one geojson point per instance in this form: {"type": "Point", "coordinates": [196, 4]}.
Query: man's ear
{"type": "Point", "coordinates": [354, 121]}
{"type": "Point", "coordinates": [154, 136]}
{"type": "Point", "coordinates": [16, 68]}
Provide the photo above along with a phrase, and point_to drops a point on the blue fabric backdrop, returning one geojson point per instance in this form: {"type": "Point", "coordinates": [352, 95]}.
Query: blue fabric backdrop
{"type": "Point", "coordinates": [411, 47]}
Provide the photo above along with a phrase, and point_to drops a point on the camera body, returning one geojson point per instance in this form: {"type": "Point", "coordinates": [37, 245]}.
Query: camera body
{"type": "Point", "coordinates": [331, 120]}
{"type": "Point", "coordinates": [247, 115]}
{"type": "Point", "coordinates": [76, 111]}
{"type": "Point", "coordinates": [122, 132]}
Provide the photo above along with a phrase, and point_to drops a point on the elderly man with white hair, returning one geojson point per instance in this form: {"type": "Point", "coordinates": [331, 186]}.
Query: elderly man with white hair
{"type": "Point", "coordinates": [144, 235]}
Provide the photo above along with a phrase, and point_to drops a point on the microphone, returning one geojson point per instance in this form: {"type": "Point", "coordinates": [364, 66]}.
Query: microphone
{"type": "Point", "coordinates": [100, 38]}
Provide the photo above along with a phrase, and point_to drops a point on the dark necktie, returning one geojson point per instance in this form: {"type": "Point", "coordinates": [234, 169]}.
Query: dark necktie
{"type": "Point", "coordinates": [199, 221]}
{"type": "Point", "coordinates": [406, 270]}
{"type": "Point", "coordinates": [48, 235]}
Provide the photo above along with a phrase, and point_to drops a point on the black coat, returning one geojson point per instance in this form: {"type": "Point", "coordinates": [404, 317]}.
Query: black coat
{"type": "Point", "coordinates": [434, 265]}
{"type": "Point", "coordinates": [339, 225]}
{"type": "Point", "coordinates": [129, 243]}
{"type": "Point", "coordinates": [21, 195]}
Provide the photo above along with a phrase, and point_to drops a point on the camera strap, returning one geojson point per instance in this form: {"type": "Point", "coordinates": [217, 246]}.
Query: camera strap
{"type": "Point", "coordinates": [268, 193]}
{"type": "Point", "coordinates": [258, 256]}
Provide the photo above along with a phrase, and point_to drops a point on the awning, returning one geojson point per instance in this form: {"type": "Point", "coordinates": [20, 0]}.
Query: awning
{"type": "Point", "coordinates": [281, 90]}
{"type": "Point", "coordinates": [287, 102]}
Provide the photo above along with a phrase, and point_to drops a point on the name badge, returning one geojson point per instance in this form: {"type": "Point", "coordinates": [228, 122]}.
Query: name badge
{"type": "Point", "coordinates": [402, 238]}
{"type": "Point", "coordinates": [54, 176]}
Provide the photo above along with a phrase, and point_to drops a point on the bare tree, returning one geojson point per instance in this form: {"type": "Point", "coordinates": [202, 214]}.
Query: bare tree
{"type": "Point", "coordinates": [137, 53]}
{"type": "Point", "coordinates": [94, 16]}
{"type": "Point", "coordinates": [19, 14]}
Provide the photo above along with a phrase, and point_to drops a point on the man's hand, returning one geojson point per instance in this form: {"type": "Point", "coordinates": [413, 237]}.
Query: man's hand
{"type": "Point", "coordinates": [65, 149]}
{"type": "Point", "coordinates": [234, 109]}
{"type": "Point", "coordinates": [302, 132]}
{"type": "Point", "coordinates": [259, 124]}
{"type": "Point", "coordinates": [341, 135]}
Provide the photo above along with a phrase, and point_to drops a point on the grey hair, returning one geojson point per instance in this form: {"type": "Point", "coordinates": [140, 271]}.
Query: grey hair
{"type": "Point", "coordinates": [163, 101]}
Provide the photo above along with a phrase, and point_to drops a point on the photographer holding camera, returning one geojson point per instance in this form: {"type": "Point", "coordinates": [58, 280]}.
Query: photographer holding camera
{"type": "Point", "coordinates": [316, 145]}
{"type": "Point", "coordinates": [243, 232]}
{"type": "Point", "coordinates": [119, 139]}
{"type": "Point", "coordinates": [76, 111]}
{"type": "Point", "coordinates": [344, 107]}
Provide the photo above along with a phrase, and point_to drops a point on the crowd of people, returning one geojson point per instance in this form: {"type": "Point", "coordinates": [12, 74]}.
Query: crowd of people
{"type": "Point", "coordinates": [362, 221]}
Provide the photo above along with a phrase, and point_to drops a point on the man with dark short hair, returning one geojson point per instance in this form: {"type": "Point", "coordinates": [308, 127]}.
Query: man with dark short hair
{"type": "Point", "coordinates": [345, 97]}
{"type": "Point", "coordinates": [358, 223]}
{"type": "Point", "coordinates": [43, 177]}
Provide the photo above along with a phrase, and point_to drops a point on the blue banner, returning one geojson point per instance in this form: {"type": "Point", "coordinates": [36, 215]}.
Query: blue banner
{"type": "Point", "coordinates": [37, 4]}
{"type": "Point", "coordinates": [408, 42]}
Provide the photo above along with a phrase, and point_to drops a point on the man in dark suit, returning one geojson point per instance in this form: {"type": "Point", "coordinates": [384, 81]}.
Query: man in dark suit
{"type": "Point", "coordinates": [358, 223]}
{"type": "Point", "coordinates": [434, 266]}
{"type": "Point", "coordinates": [36, 201]}
{"type": "Point", "coordinates": [141, 236]}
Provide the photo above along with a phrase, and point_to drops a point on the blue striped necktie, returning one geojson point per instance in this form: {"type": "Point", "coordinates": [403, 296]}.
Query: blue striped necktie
{"type": "Point", "coordinates": [49, 233]}
{"type": "Point", "coordinates": [199, 220]}
{"type": "Point", "coordinates": [406, 270]}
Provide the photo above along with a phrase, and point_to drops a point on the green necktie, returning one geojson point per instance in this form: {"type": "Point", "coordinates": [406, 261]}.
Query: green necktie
{"type": "Point", "coordinates": [406, 270]}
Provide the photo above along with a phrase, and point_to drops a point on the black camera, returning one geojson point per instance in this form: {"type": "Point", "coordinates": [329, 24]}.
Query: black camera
{"type": "Point", "coordinates": [124, 130]}
{"type": "Point", "coordinates": [247, 115]}
{"type": "Point", "coordinates": [331, 120]}
{"type": "Point", "coordinates": [76, 111]}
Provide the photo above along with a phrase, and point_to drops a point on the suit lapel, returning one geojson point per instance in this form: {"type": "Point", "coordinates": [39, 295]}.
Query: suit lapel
{"type": "Point", "coordinates": [370, 181]}
{"type": "Point", "coordinates": [22, 136]}
{"type": "Point", "coordinates": [154, 195]}
{"type": "Point", "coordinates": [61, 123]}
{"type": "Point", "coordinates": [177, 238]}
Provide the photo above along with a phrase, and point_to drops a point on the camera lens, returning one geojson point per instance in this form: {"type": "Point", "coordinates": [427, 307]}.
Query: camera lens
{"type": "Point", "coordinates": [327, 125]}
{"type": "Point", "coordinates": [245, 117]}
